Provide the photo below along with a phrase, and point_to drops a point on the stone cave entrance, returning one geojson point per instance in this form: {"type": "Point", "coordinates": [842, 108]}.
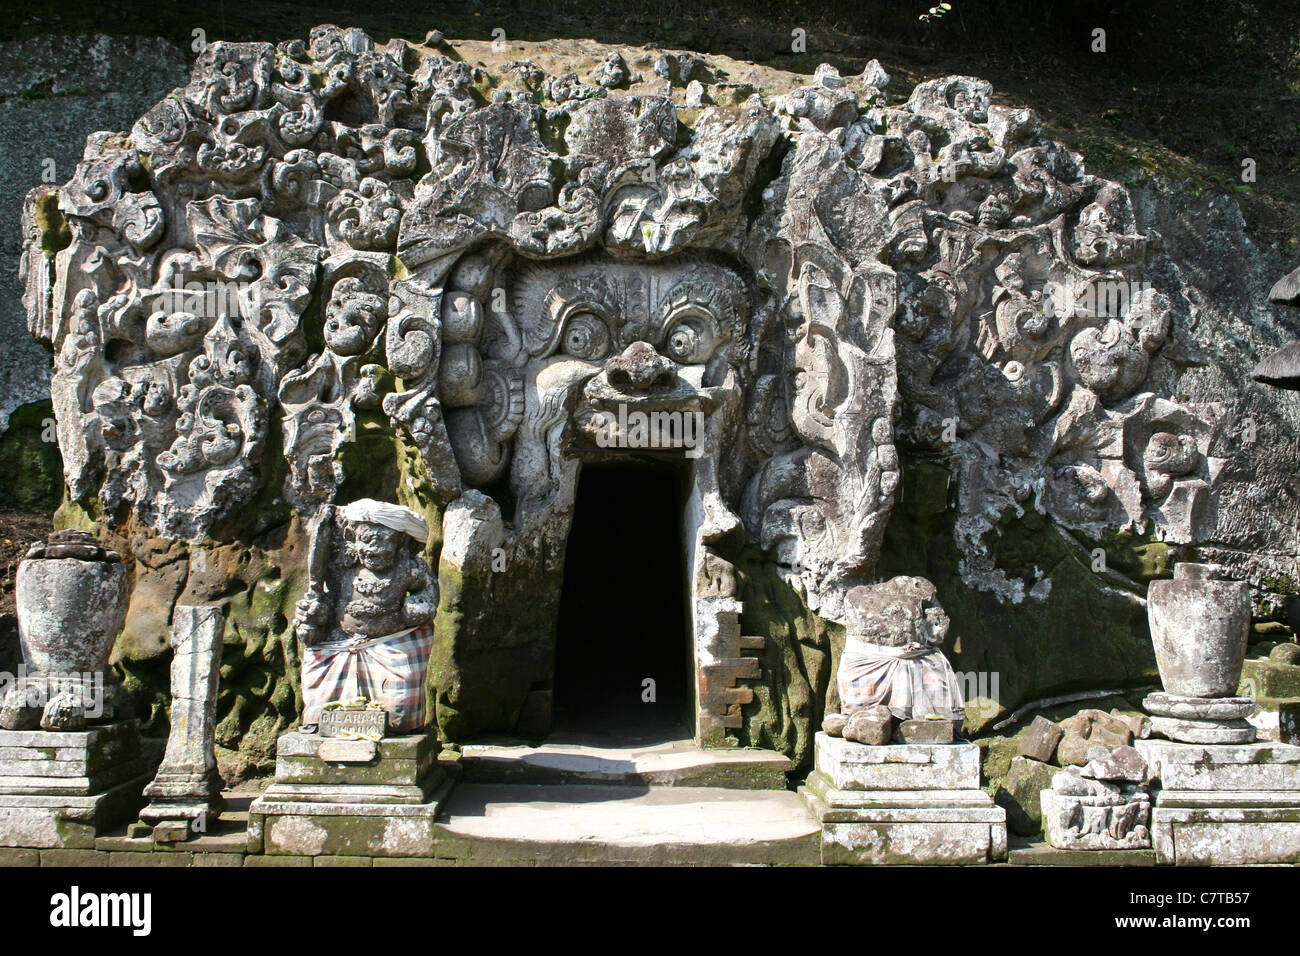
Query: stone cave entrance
{"type": "Point", "coordinates": [623, 615]}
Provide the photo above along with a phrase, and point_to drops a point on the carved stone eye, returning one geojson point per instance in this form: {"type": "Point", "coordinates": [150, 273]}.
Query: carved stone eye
{"type": "Point", "coordinates": [586, 336]}
{"type": "Point", "coordinates": [689, 341]}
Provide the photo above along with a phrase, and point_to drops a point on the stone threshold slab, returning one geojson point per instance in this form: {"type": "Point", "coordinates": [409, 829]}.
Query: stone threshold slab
{"type": "Point", "coordinates": [668, 764]}
{"type": "Point", "coordinates": [627, 817]}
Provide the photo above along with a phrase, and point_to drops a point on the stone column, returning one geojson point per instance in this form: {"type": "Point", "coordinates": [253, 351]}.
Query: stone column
{"type": "Point", "coordinates": [186, 794]}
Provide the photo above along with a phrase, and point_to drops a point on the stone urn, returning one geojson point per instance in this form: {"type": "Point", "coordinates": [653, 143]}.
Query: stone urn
{"type": "Point", "coordinates": [72, 597]}
{"type": "Point", "coordinates": [1199, 625]}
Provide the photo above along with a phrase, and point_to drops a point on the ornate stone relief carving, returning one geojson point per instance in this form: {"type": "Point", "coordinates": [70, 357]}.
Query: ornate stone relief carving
{"type": "Point", "coordinates": [809, 281]}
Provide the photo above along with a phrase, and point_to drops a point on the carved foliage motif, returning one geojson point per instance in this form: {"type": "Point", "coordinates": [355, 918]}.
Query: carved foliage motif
{"type": "Point", "coordinates": [817, 277]}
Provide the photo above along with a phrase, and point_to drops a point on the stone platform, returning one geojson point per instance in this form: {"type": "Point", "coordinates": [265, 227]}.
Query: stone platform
{"type": "Point", "coordinates": [1224, 804]}
{"type": "Point", "coordinates": [589, 760]}
{"type": "Point", "coordinates": [911, 804]}
{"type": "Point", "coordinates": [350, 797]}
{"type": "Point", "coordinates": [61, 788]}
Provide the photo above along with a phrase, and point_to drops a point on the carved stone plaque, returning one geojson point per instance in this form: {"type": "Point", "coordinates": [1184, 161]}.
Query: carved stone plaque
{"type": "Point", "coordinates": [340, 723]}
{"type": "Point", "coordinates": [347, 751]}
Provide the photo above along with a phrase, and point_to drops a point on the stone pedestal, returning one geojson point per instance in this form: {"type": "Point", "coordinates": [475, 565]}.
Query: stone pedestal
{"type": "Point", "coordinates": [185, 796]}
{"type": "Point", "coordinates": [60, 788]}
{"type": "Point", "coordinates": [351, 797]}
{"type": "Point", "coordinates": [903, 804]}
{"type": "Point", "coordinates": [1201, 720]}
{"type": "Point", "coordinates": [1224, 804]}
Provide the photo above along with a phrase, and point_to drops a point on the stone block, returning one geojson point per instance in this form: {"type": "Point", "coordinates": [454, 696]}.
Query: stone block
{"type": "Point", "coordinates": [1203, 731]}
{"type": "Point", "coordinates": [1041, 739]}
{"type": "Point", "coordinates": [926, 732]}
{"type": "Point", "coordinates": [872, 726]}
{"type": "Point", "coordinates": [1227, 767]}
{"type": "Point", "coordinates": [1112, 821]}
{"type": "Point", "coordinates": [218, 859]}
{"type": "Point", "coordinates": [13, 856]}
{"type": "Point", "coordinates": [1261, 677]}
{"type": "Point", "coordinates": [911, 828]}
{"type": "Point", "coordinates": [1020, 792]}
{"type": "Point", "coordinates": [853, 766]}
{"type": "Point", "coordinates": [1224, 828]}
{"type": "Point", "coordinates": [70, 821]}
{"type": "Point", "coordinates": [61, 857]}
{"type": "Point", "coordinates": [1086, 730]}
{"type": "Point", "coordinates": [1121, 764]}
{"type": "Point", "coordinates": [277, 861]}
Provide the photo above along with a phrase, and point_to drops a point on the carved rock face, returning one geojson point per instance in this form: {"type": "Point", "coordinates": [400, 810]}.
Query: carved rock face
{"type": "Point", "coordinates": [504, 290]}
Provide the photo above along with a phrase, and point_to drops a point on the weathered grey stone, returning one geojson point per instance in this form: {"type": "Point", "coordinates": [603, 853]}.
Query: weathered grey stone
{"type": "Point", "coordinates": [367, 588]}
{"type": "Point", "coordinates": [1121, 764]}
{"type": "Point", "coordinates": [873, 726]}
{"type": "Point", "coordinates": [925, 262]}
{"type": "Point", "coordinates": [940, 731]}
{"type": "Point", "coordinates": [55, 90]}
{"type": "Point", "coordinates": [1199, 626]}
{"type": "Point", "coordinates": [1285, 653]}
{"type": "Point", "coordinates": [1198, 708]}
{"type": "Point", "coordinates": [58, 789]}
{"type": "Point", "coordinates": [1118, 821]}
{"type": "Point", "coordinates": [187, 786]}
{"type": "Point", "coordinates": [1020, 794]}
{"type": "Point", "coordinates": [70, 609]}
{"type": "Point", "coordinates": [1139, 724]}
{"type": "Point", "coordinates": [834, 724]}
{"type": "Point", "coordinates": [1203, 731]}
{"type": "Point", "coordinates": [852, 766]}
{"type": "Point", "coordinates": [1040, 740]}
{"type": "Point", "coordinates": [903, 821]}
{"type": "Point", "coordinates": [1089, 729]}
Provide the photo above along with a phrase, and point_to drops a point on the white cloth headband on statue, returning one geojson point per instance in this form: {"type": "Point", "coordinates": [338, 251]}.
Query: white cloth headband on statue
{"type": "Point", "coordinates": [397, 517]}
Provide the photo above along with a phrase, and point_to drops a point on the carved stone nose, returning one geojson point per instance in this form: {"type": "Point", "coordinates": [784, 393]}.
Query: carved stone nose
{"type": "Point", "coordinates": [640, 369]}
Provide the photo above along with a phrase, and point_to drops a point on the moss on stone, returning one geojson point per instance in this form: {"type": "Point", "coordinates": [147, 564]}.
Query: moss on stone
{"type": "Point", "coordinates": [30, 460]}
{"type": "Point", "coordinates": [799, 658]}
{"type": "Point", "coordinates": [1088, 633]}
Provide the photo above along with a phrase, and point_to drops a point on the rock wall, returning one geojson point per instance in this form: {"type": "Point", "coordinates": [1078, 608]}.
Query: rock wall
{"type": "Point", "coordinates": [927, 340]}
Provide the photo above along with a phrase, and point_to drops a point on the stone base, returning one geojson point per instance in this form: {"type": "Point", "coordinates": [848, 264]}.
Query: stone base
{"type": "Point", "coordinates": [1073, 822]}
{"type": "Point", "coordinates": [358, 799]}
{"type": "Point", "coordinates": [1201, 720]}
{"type": "Point", "coordinates": [911, 804]}
{"type": "Point", "coordinates": [1225, 805]}
{"type": "Point", "coordinates": [60, 788]}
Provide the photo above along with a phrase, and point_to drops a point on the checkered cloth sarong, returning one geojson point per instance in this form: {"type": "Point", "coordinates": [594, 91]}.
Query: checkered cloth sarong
{"type": "Point", "coordinates": [388, 670]}
{"type": "Point", "coordinates": [913, 682]}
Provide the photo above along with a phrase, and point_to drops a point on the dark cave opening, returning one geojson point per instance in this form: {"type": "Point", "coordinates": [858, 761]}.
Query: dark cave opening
{"type": "Point", "coordinates": [623, 617]}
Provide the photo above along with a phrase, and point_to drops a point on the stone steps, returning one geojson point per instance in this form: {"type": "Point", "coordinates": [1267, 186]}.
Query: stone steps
{"type": "Point", "coordinates": [576, 761]}
{"type": "Point", "coordinates": [575, 824]}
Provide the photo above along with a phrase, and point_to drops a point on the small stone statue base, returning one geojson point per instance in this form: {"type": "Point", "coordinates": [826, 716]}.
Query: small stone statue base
{"type": "Point", "coordinates": [1201, 720]}
{"type": "Point", "coordinates": [911, 804]}
{"type": "Point", "coordinates": [333, 796]}
{"type": "Point", "coordinates": [1224, 804]}
{"type": "Point", "coordinates": [62, 788]}
{"type": "Point", "coordinates": [1096, 814]}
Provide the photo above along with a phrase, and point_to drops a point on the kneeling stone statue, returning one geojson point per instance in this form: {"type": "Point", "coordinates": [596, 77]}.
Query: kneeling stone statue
{"type": "Point", "coordinates": [892, 669]}
{"type": "Point", "coordinates": [365, 623]}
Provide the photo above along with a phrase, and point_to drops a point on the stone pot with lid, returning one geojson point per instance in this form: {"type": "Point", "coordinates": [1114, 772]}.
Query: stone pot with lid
{"type": "Point", "coordinates": [1200, 622]}
{"type": "Point", "coordinates": [72, 598]}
